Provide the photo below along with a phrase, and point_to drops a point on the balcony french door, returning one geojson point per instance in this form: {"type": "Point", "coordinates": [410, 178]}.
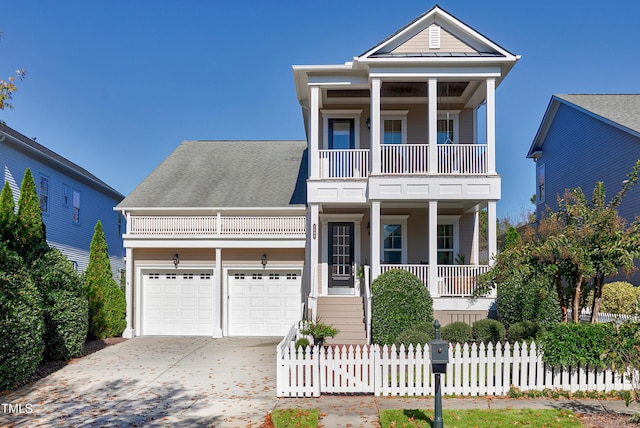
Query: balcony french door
{"type": "Point", "coordinates": [341, 258]}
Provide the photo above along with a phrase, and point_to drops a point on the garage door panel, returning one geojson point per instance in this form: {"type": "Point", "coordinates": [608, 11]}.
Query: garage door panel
{"type": "Point", "coordinates": [177, 303]}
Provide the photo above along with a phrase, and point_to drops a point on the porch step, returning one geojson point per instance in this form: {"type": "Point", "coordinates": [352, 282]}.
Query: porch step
{"type": "Point", "coordinates": [346, 313]}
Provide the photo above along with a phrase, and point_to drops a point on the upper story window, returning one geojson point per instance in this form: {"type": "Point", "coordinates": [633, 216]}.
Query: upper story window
{"type": "Point", "coordinates": [448, 128]}
{"type": "Point", "coordinates": [341, 129]}
{"type": "Point", "coordinates": [393, 246]}
{"type": "Point", "coordinates": [44, 194]}
{"type": "Point", "coordinates": [66, 195]}
{"type": "Point", "coordinates": [447, 239]}
{"type": "Point", "coordinates": [394, 127]}
{"type": "Point", "coordinates": [76, 206]}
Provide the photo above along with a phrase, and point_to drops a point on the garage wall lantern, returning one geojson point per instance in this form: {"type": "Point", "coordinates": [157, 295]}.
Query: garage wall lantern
{"type": "Point", "coordinates": [264, 260]}
{"type": "Point", "coordinates": [176, 260]}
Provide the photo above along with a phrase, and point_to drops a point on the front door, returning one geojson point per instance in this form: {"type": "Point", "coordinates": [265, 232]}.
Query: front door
{"type": "Point", "coordinates": [341, 258]}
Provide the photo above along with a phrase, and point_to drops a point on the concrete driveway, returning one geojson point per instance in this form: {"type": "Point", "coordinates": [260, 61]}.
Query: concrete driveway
{"type": "Point", "coordinates": [155, 381]}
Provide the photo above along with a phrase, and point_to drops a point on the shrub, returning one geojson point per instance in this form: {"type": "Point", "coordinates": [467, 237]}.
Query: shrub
{"type": "Point", "coordinates": [318, 330]}
{"type": "Point", "coordinates": [303, 342]}
{"type": "Point", "coordinates": [21, 328]}
{"type": "Point", "coordinates": [419, 334]}
{"type": "Point", "coordinates": [400, 301]}
{"type": "Point", "coordinates": [618, 298]}
{"type": "Point", "coordinates": [488, 330]}
{"type": "Point", "coordinates": [65, 307]}
{"type": "Point", "coordinates": [30, 232]}
{"type": "Point", "coordinates": [571, 344]}
{"type": "Point", "coordinates": [524, 330]}
{"type": "Point", "coordinates": [522, 298]}
{"type": "Point", "coordinates": [457, 332]}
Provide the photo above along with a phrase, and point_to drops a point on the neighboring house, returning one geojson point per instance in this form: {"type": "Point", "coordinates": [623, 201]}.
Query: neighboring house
{"type": "Point", "coordinates": [246, 238]}
{"type": "Point", "coordinates": [71, 198]}
{"type": "Point", "coordinates": [583, 139]}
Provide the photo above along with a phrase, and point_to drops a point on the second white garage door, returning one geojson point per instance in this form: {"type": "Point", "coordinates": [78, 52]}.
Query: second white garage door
{"type": "Point", "coordinates": [263, 303]}
{"type": "Point", "coordinates": [178, 302]}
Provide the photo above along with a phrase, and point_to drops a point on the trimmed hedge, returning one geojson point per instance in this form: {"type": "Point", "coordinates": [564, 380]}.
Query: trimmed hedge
{"type": "Point", "coordinates": [456, 332]}
{"type": "Point", "coordinates": [21, 328]}
{"type": "Point", "coordinates": [421, 333]}
{"type": "Point", "coordinates": [572, 344]}
{"type": "Point", "coordinates": [400, 301]}
{"type": "Point", "coordinates": [488, 330]}
{"type": "Point", "coordinates": [524, 330]}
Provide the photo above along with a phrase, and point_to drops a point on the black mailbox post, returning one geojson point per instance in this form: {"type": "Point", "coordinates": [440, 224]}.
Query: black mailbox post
{"type": "Point", "coordinates": [439, 361]}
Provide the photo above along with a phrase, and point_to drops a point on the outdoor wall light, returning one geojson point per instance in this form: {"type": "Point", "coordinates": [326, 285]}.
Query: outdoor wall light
{"type": "Point", "coordinates": [176, 260]}
{"type": "Point", "coordinates": [368, 122]}
{"type": "Point", "coordinates": [264, 260]}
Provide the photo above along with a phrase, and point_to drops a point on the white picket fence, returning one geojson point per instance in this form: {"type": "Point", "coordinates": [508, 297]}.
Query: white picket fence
{"type": "Point", "coordinates": [473, 370]}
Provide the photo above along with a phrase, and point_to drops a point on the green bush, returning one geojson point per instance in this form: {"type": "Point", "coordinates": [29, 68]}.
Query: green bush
{"type": "Point", "coordinates": [457, 332]}
{"type": "Point", "coordinates": [618, 298]}
{"type": "Point", "coordinates": [571, 344]}
{"type": "Point", "coordinates": [488, 330]}
{"type": "Point", "coordinates": [524, 330]}
{"type": "Point", "coordinates": [419, 334]}
{"type": "Point", "coordinates": [21, 328]}
{"type": "Point", "coordinates": [303, 342]}
{"type": "Point", "coordinates": [400, 301]}
{"type": "Point", "coordinates": [522, 298]}
{"type": "Point", "coordinates": [65, 308]}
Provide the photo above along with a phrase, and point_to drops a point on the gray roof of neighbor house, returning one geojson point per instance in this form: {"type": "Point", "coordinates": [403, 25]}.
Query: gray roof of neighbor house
{"type": "Point", "coordinates": [50, 157]}
{"type": "Point", "coordinates": [226, 174]}
{"type": "Point", "coordinates": [623, 109]}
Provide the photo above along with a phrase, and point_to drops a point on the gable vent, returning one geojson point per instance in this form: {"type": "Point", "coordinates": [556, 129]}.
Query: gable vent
{"type": "Point", "coordinates": [434, 37]}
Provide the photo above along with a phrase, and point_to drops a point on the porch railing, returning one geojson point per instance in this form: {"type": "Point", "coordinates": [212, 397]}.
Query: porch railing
{"type": "Point", "coordinates": [217, 225]}
{"type": "Point", "coordinates": [344, 163]}
{"type": "Point", "coordinates": [454, 280]}
{"type": "Point", "coordinates": [462, 159]}
{"type": "Point", "coordinates": [404, 158]}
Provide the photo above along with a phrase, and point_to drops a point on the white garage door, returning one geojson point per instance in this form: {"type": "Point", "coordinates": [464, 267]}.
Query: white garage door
{"type": "Point", "coordinates": [178, 302]}
{"type": "Point", "coordinates": [263, 303]}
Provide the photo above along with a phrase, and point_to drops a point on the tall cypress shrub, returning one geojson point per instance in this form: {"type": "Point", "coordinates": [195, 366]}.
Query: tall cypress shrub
{"type": "Point", "coordinates": [30, 229]}
{"type": "Point", "coordinates": [7, 216]}
{"type": "Point", "coordinates": [107, 305]}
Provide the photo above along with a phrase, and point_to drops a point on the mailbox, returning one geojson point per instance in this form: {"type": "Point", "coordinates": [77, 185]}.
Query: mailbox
{"type": "Point", "coordinates": [439, 352]}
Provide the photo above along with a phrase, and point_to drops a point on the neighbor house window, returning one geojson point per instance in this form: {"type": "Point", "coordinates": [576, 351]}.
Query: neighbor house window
{"type": "Point", "coordinates": [393, 246]}
{"type": "Point", "coordinates": [44, 194]}
{"type": "Point", "coordinates": [540, 184]}
{"type": "Point", "coordinates": [76, 207]}
{"type": "Point", "coordinates": [66, 195]}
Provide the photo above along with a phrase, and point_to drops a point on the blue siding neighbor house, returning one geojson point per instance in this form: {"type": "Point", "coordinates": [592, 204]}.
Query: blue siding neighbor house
{"type": "Point", "coordinates": [72, 199]}
{"type": "Point", "coordinates": [584, 139]}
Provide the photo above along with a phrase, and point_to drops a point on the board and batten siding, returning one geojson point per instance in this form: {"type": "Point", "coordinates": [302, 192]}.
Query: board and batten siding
{"type": "Point", "coordinates": [73, 240]}
{"type": "Point", "coordinates": [580, 150]}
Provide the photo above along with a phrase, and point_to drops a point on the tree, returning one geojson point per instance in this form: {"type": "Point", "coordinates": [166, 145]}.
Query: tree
{"type": "Point", "coordinates": [30, 228]}
{"type": "Point", "coordinates": [7, 215]}
{"type": "Point", "coordinates": [107, 304]}
{"type": "Point", "coordinates": [8, 87]}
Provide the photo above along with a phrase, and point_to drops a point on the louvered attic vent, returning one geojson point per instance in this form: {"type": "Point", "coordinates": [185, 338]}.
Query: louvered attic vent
{"type": "Point", "coordinates": [434, 37]}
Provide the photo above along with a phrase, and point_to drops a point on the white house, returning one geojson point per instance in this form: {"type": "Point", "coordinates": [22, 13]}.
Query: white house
{"type": "Point", "coordinates": [71, 198]}
{"type": "Point", "coordinates": [245, 238]}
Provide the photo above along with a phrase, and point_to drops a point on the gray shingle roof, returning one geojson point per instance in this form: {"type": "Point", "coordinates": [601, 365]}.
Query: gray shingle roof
{"type": "Point", "coordinates": [223, 174]}
{"type": "Point", "coordinates": [623, 109]}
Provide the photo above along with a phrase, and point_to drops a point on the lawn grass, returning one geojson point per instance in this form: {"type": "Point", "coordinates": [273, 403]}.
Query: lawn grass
{"type": "Point", "coordinates": [299, 418]}
{"type": "Point", "coordinates": [480, 418]}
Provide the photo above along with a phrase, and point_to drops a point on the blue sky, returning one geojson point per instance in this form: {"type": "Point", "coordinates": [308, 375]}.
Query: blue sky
{"type": "Point", "coordinates": [115, 86]}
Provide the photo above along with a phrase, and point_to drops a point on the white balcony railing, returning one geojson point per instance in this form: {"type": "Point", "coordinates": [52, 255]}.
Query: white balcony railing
{"type": "Point", "coordinates": [462, 159]}
{"type": "Point", "coordinates": [352, 163]}
{"type": "Point", "coordinates": [404, 158]}
{"type": "Point", "coordinates": [217, 225]}
{"type": "Point", "coordinates": [453, 280]}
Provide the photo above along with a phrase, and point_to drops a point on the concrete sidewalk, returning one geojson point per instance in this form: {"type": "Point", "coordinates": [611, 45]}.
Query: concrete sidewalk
{"type": "Point", "coordinates": [362, 411]}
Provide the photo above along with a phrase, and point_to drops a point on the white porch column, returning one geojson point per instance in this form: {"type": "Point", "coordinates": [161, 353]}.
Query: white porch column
{"type": "Point", "coordinates": [217, 292]}
{"type": "Point", "coordinates": [491, 125]}
{"type": "Point", "coordinates": [376, 84]}
{"type": "Point", "coordinates": [433, 125]}
{"type": "Point", "coordinates": [375, 239]}
{"type": "Point", "coordinates": [314, 131]}
{"type": "Point", "coordinates": [313, 241]}
{"type": "Point", "coordinates": [129, 331]}
{"type": "Point", "coordinates": [492, 240]}
{"type": "Point", "coordinates": [432, 218]}
{"type": "Point", "coordinates": [475, 244]}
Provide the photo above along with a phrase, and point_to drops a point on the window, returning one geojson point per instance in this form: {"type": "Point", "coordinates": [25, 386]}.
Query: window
{"type": "Point", "coordinates": [341, 129]}
{"type": "Point", "coordinates": [540, 184]}
{"type": "Point", "coordinates": [76, 207]}
{"type": "Point", "coordinates": [393, 247]}
{"type": "Point", "coordinates": [445, 244]}
{"type": "Point", "coordinates": [66, 195]}
{"type": "Point", "coordinates": [394, 126]}
{"type": "Point", "coordinates": [448, 128]}
{"type": "Point", "coordinates": [44, 194]}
